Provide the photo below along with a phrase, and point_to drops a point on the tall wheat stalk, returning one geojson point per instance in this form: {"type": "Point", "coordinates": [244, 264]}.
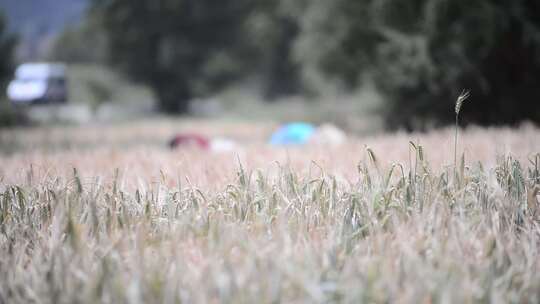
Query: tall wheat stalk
{"type": "Point", "coordinates": [459, 102]}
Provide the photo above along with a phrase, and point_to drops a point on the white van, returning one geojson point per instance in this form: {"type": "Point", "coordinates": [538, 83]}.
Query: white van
{"type": "Point", "coordinates": [38, 83]}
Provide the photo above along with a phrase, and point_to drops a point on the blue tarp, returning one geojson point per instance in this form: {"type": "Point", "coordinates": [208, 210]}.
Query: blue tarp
{"type": "Point", "coordinates": [296, 133]}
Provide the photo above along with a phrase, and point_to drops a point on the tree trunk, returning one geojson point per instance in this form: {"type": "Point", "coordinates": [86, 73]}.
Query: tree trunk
{"type": "Point", "coordinates": [173, 98]}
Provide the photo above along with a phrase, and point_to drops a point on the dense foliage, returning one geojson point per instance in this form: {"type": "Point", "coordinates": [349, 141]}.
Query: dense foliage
{"type": "Point", "coordinates": [178, 47]}
{"type": "Point", "coordinates": [189, 48]}
{"type": "Point", "coordinates": [71, 46]}
{"type": "Point", "coordinates": [7, 46]}
{"type": "Point", "coordinates": [420, 54]}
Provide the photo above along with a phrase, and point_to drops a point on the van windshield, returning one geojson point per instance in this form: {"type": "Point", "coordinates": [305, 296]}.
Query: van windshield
{"type": "Point", "coordinates": [59, 80]}
{"type": "Point", "coordinates": [30, 79]}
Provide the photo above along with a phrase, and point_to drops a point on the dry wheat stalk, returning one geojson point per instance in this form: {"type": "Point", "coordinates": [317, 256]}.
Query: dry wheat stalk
{"type": "Point", "coordinates": [459, 102]}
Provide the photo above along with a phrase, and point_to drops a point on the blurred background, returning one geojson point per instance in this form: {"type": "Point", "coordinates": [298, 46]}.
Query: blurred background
{"type": "Point", "coordinates": [365, 66]}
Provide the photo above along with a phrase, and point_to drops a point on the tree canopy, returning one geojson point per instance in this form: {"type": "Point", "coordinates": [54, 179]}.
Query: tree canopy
{"type": "Point", "coordinates": [7, 45]}
{"type": "Point", "coordinates": [419, 53]}
{"type": "Point", "coordinates": [422, 53]}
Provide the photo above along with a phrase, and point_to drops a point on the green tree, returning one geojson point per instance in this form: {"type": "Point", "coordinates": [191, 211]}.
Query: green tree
{"type": "Point", "coordinates": [422, 53]}
{"type": "Point", "coordinates": [272, 30]}
{"type": "Point", "coordinates": [337, 41]}
{"type": "Point", "coordinates": [491, 48]}
{"type": "Point", "coordinates": [181, 48]}
{"type": "Point", "coordinates": [72, 45]}
{"type": "Point", "coordinates": [7, 46]}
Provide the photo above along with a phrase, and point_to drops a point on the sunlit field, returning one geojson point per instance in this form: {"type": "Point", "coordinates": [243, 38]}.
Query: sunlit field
{"type": "Point", "coordinates": [108, 213]}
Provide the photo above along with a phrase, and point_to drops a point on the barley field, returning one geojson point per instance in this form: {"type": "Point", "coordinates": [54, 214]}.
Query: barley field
{"type": "Point", "coordinates": [109, 214]}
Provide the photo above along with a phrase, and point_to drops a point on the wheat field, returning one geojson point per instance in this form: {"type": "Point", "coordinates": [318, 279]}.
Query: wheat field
{"type": "Point", "coordinates": [110, 214]}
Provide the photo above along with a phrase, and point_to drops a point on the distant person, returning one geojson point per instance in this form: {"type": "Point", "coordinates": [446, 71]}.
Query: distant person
{"type": "Point", "coordinates": [194, 140]}
{"type": "Point", "coordinates": [190, 140]}
{"type": "Point", "coordinates": [301, 133]}
{"type": "Point", "coordinates": [295, 133]}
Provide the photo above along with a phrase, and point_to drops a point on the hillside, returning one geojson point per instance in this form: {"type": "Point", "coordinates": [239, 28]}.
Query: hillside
{"type": "Point", "coordinates": [37, 21]}
{"type": "Point", "coordinates": [39, 16]}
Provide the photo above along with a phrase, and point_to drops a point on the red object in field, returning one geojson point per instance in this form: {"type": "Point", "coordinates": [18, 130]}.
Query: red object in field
{"type": "Point", "coordinates": [190, 140]}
